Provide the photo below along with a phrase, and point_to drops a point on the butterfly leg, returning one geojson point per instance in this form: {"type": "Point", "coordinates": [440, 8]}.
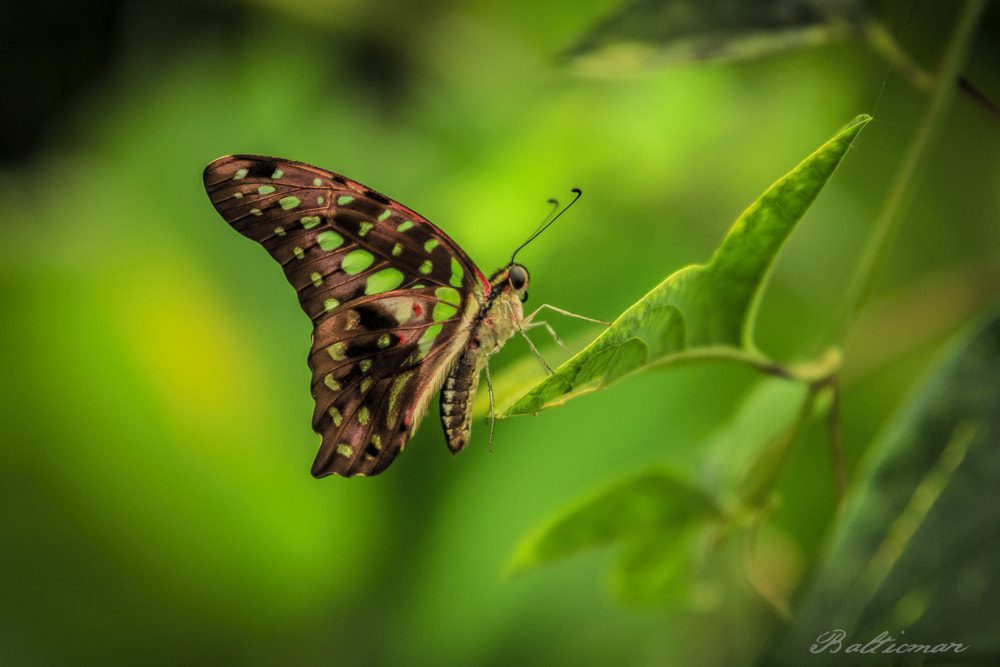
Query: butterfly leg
{"type": "Point", "coordinates": [520, 327]}
{"type": "Point", "coordinates": [531, 316]}
{"type": "Point", "coordinates": [528, 322]}
{"type": "Point", "coordinates": [552, 332]}
{"type": "Point", "coordinates": [489, 391]}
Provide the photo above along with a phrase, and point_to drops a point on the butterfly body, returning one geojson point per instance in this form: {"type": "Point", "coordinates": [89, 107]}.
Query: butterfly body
{"type": "Point", "coordinates": [498, 318]}
{"type": "Point", "coordinates": [399, 310]}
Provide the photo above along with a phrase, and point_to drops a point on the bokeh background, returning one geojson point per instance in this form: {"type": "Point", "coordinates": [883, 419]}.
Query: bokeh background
{"type": "Point", "coordinates": [155, 501]}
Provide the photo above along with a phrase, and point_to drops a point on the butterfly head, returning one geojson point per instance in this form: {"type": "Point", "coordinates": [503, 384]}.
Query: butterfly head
{"type": "Point", "coordinates": [511, 280]}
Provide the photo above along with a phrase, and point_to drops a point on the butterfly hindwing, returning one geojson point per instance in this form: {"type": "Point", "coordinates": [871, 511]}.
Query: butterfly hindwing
{"type": "Point", "coordinates": [390, 296]}
{"type": "Point", "coordinates": [372, 384]}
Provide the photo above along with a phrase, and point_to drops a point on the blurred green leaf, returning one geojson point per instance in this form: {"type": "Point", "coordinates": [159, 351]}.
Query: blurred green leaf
{"type": "Point", "coordinates": [650, 571]}
{"type": "Point", "coordinates": [745, 453]}
{"type": "Point", "coordinates": [702, 308]}
{"type": "Point", "coordinates": [648, 33]}
{"type": "Point", "coordinates": [916, 548]}
{"type": "Point", "coordinates": [648, 504]}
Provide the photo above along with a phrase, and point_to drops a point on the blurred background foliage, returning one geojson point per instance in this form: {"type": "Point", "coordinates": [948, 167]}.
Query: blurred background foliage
{"type": "Point", "coordinates": [155, 409]}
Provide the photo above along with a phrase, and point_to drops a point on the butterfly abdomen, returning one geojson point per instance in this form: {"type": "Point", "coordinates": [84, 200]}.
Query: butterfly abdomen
{"type": "Point", "coordinates": [496, 321]}
{"type": "Point", "coordinates": [457, 393]}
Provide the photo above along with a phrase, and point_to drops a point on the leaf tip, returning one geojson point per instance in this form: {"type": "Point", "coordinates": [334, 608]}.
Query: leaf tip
{"type": "Point", "coordinates": [523, 558]}
{"type": "Point", "coordinates": [857, 124]}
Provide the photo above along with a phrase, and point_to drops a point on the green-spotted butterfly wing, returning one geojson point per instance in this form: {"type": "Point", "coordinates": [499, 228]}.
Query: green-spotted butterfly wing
{"type": "Point", "coordinates": [391, 298]}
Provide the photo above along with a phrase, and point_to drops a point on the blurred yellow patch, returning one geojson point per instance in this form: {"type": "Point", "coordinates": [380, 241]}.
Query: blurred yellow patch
{"type": "Point", "coordinates": [178, 333]}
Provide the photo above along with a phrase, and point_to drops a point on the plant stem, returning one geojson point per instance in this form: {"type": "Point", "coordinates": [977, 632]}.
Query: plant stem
{"type": "Point", "coordinates": [836, 443]}
{"type": "Point", "coordinates": [901, 193]}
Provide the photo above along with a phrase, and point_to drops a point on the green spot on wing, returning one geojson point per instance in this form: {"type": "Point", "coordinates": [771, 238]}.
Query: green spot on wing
{"type": "Point", "coordinates": [363, 415]}
{"type": "Point", "coordinates": [456, 273]}
{"type": "Point", "coordinates": [392, 413]}
{"type": "Point", "coordinates": [426, 267]}
{"type": "Point", "coordinates": [344, 449]}
{"type": "Point", "coordinates": [330, 382]}
{"type": "Point", "coordinates": [317, 279]}
{"type": "Point", "coordinates": [383, 281]}
{"type": "Point", "coordinates": [277, 174]}
{"type": "Point", "coordinates": [330, 304]}
{"type": "Point", "coordinates": [397, 250]}
{"type": "Point", "coordinates": [317, 182]}
{"type": "Point", "coordinates": [337, 351]}
{"type": "Point", "coordinates": [344, 199]}
{"type": "Point", "coordinates": [335, 415]}
{"type": "Point", "coordinates": [383, 340]}
{"type": "Point", "coordinates": [328, 240]}
{"type": "Point", "coordinates": [280, 231]}
{"type": "Point", "coordinates": [356, 261]}
{"type": "Point", "coordinates": [442, 311]}
{"type": "Point", "coordinates": [298, 252]}
{"type": "Point", "coordinates": [430, 244]}
{"type": "Point", "coordinates": [384, 214]}
{"type": "Point", "coordinates": [290, 201]}
{"type": "Point", "coordinates": [425, 341]}
{"type": "Point", "coordinates": [310, 221]}
{"type": "Point", "coordinates": [365, 365]}
{"type": "Point", "coordinates": [240, 173]}
{"type": "Point", "coordinates": [265, 189]}
{"type": "Point", "coordinates": [448, 295]}
{"type": "Point", "coordinates": [403, 226]}
{"type": "Point", "coordinates": [365, 227]}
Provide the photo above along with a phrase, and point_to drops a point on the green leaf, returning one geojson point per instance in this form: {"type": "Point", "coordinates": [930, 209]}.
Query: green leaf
{"type": "Point", "coordinates": [745, 454]}
{"type": "Point", "coordinates": [650, 503]}
{"type": "Point", "coordinates": [655, 571]}
{"type": "Point", "coordinates": [917, 546]}
{"type": "Point", "coordinates": [703, 308]}
{"type": "Point", "coordinates": [649, 33]}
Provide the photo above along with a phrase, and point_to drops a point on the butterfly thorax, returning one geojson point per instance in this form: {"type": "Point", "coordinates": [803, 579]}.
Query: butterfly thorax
{"type": "Point", "coordinates": [498, 318]}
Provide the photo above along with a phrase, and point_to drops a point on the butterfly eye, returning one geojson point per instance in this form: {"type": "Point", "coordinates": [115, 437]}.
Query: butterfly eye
{"type": "Point", "coordinates": [518, 278]}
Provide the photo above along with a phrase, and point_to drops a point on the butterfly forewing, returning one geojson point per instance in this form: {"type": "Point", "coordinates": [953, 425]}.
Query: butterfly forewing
{"type": "Point", "coordinates": [389, 294]}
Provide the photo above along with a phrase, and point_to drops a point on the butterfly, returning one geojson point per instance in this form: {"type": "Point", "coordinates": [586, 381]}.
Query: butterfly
{"type": "Point", "coordinates": [399, 310]}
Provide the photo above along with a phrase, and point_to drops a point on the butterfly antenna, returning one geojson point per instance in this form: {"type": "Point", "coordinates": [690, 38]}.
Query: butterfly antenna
{"type": "Point", "coordinates": [549, 219]}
